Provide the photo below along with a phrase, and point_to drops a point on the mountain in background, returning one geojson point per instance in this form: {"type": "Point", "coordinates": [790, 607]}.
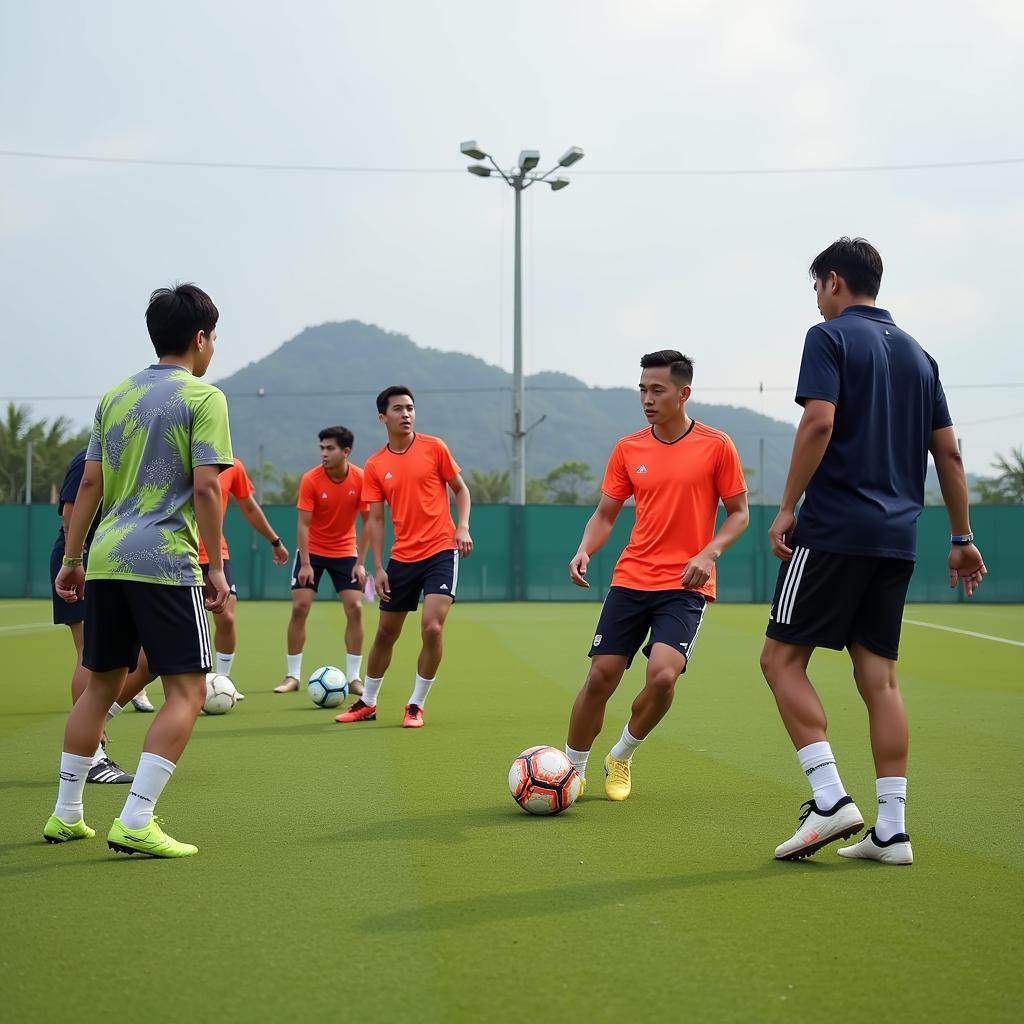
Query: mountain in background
{"type": "Point", "coordinates": [332, 373]}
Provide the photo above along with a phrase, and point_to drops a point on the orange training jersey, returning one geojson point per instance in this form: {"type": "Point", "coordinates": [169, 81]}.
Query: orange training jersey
{"type": "Point", "coordinates": [677, 489]}
{"type": "Point", "coordinates": [332, 532]}
{"type": "Point", "coordinates": [233, 481]}
{"type": "Point", "coordinates": [415, 486]}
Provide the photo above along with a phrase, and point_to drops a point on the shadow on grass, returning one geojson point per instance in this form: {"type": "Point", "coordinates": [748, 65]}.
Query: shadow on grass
{"type": "Point", "coordinates": [447, 827]}
{"type": "Point", "coordinates": [556, 901]}
{"type": "Point", "coordinates": [25, 784]}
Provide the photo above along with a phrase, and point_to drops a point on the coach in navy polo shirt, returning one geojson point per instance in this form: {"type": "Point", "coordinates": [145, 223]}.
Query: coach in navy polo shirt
{"type": "Point", "coordinates": [873, 409]}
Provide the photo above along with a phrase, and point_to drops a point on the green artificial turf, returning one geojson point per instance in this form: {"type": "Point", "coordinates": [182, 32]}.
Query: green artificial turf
{"type": "Point", "coordinates": [373, 873]}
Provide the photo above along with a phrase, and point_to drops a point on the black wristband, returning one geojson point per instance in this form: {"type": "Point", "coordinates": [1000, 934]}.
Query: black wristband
{"type": "Point", "coordinates": [961, 540]}
{"type": "Point", "coordinates": [276, 543]}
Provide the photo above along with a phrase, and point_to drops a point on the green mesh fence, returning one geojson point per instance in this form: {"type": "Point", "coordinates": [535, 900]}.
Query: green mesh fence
{"type": "Point", "coordinates": [523, 554]}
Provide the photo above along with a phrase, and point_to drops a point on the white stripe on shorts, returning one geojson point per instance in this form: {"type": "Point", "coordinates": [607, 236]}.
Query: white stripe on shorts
{"type": "Point", "coordinates": [202, 625]}
{"type": "Point", "coordinates": [787, 599]}
{"type": "Point", "coordinates": [693, 640]}
{"type": "Point", "coordinates": [455, 571]}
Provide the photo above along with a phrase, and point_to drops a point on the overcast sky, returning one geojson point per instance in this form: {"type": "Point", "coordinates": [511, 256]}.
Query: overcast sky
{"type": "Point", "coordinates": [617, 264]}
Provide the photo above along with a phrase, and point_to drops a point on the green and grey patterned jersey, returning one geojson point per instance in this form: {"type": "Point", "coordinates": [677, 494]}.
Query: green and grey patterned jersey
{"type": "Point", "coordinates": [150, 432]}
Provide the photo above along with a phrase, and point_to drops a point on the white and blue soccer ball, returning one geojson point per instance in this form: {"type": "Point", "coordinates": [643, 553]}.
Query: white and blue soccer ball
{"type": "Point", "coordinates": [327, 687]}
{"type": "Point", "coordinates": [220, 695]}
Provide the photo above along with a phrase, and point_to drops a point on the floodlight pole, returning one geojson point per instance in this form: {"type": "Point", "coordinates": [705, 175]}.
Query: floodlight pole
{"type": "Point", "coordinates": [519, 178]}
{"type": "Point", "coordinates": [517, 490]}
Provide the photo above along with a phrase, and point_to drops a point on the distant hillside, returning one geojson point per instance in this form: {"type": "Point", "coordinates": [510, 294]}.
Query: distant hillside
{"type": "Point", "coordinates": [332, 373]}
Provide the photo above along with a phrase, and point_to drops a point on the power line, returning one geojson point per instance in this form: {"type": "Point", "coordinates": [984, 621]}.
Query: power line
{"type": "Point", "coordinates": [710, 172]}
{"type": "Point", "coordinates": [507, 388]}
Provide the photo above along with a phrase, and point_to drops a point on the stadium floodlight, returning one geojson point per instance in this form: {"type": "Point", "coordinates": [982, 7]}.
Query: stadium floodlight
{"type": "Point", "coordinates": [528, 159]}
{"type": "Point", "coordinates": [519, 178]}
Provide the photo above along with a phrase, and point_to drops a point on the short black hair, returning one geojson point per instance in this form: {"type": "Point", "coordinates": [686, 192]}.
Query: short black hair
{"type": "Point", "coordinates": [392, 392]}
{"type": "Point", "coordinates": [680, 367]}
{"type": "Point", "coordinates": [341, 435]}
{"type": "Point", "coordinates": [855, 260]}
{"type": "Point", "coordinates": [175, 315]}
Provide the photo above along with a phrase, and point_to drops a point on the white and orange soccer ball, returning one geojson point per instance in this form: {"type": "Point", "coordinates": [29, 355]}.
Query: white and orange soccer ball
{"type": "Point", "coordinates": [543, 781]}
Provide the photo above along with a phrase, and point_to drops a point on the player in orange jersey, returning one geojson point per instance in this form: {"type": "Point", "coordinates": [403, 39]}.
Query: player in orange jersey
{"type": "Point", "coordinates": [678, 471]}
{"type": "Point", "coordinates": [330, 498]}
{"type": "Point", "coordinates": [412, 473]}
{"type": "Point", "coordinates": [235, 482]}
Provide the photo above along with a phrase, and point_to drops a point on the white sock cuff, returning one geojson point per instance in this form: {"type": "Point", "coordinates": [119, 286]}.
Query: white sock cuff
{"type": "Point", "coordinates": [815, 754]}
{"type": "Point", "coordinates": [156, 761]}
{"type": "Point", "coordinates": [115, 710]}
{"type": "Point", "coordinates": [74, 762]}
{"type": "Point", "coordinates": [891, 785]}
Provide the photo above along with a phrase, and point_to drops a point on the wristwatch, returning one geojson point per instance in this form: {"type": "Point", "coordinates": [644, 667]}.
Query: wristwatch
{"type": "Point", "coordinates": [960, 539]}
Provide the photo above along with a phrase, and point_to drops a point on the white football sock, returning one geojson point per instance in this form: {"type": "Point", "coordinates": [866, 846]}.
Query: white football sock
{"type": "Point", "coordinates": [624, 749]}
{"type": "Point", "coordinates": [224, 663]}
{"type": "Point", "coordinates": [892, 806]}
{"type": "Point", "coordinates": [579, 759]}
{"type": "Point", "coordinates": [371, 687]}
{"type": "Point", "coordinates": [151, 776]}
{"type": "Point", "coordinates": [100, 755]}
{"type": "Point", "coordinates": [420, 690]}
{"type": "Point", "coordinates": [353, 666]}
{"type": "Point", "coordinates": [295, 666]}
{"type": "Point", "coordinates": [820, 768]}
{"type": "Point", "coordinates": [115, 710]}
{"type": "Point", "coordinates": [73, 772]}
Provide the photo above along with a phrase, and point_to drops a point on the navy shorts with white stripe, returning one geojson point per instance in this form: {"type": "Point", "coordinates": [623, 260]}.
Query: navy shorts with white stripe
{"type": "Point", "coordinates": [122, 616]}
{"type": "Point", "coordinates": [824, 599]}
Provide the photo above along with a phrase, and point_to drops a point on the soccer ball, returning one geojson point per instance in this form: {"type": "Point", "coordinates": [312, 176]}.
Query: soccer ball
{"type": "Point", "coordinates": [220, 695]}
{"type": "Point", "coordinates": [327, 687]}
{"type": "Point", "coordinates": [543, 781]}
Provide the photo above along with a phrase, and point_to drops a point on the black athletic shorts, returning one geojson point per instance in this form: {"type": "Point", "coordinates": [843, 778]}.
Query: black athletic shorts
{"type": "Point", "coordinates": [671, 617]}
{"type": "Point", "coordinates": [64, 614]}
{"type": "Point", "coordinates": [828, 600]}
{"type": "Point", "coordinates": [438, 574]}
{"type": "Point", "coordinates": [204, 567]}
{"type": "Point", "coordinates": [168, 621]}
{"type": "Point", "coordinates": [339, 569]}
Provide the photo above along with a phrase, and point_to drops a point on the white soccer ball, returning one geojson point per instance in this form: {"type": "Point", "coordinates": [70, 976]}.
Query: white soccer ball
{"type": "Point", "coordinates": [220, 695]}
{"type": "Point", "coordinates": [327, 687]}
{"type": "Point", "coordinates": [542, 780]}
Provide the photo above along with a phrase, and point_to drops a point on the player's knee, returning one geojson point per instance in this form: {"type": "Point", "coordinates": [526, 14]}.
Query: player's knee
{"type": "Point", "coordinates": [600, 683]}
{"type": "Point", "coordinates": [387, 634]}
{"type": "Point", "coordinates": [432, 630]}
{"type": "Point", "coordinates": [662, 681]}
{"type": "Point", "coordinates": [769, 665]}
{"type": "Point", "coordinates": [300, 612]}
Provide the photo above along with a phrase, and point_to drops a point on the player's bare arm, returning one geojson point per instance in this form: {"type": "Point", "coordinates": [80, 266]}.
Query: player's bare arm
{"type": "Point", "coordinates": [305, 573]}
{"type": "Point", "coordinates": [965, 561]}
{"type": "Point", "coordinates": [812, 437]}
{"type": "Point", "coordinates": [699, 568]}
{"type": "Point", "coordinates": [206, 500]}
{"type": "Point", "coordinates": [463, 503]}
{"type": "Point", "coordinates": [70, 581]}
{"type": "Point", "coordinates": [258, 521]}
{"type": "Point", "coordinates": [359, 571]}
{"type": "Point", "coordinates": [375, 526]}
{"type": "Point", "coordinates": [595, 536]}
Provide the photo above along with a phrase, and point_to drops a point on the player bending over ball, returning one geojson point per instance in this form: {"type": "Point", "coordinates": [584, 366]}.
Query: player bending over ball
{"type": "Point", "coordinates": [330, 498]}
{"type": "Point", "coordinates": [159, 443]}
{"type": "Point", "coordinates": [678, 471]}
{"type": "Point", "coordinates": [412, 473]}
{"type": "Point", "coordinates": [873, 408]}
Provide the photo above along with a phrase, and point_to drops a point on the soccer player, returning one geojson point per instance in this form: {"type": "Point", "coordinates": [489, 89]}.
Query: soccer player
{"type": "Point", "coordinates": [330, 498]}
{"type": "Point", "coordinates": [412, 473]}
{"type": "Point", "coordinates": [873, 409]}
{"type": "Point", "coordinates": [677, 470]}
{"type": "Point", "coordinates": [103, 769]}
{"type": "Point", "coordinates": [159, 443]}
{"type": "Point", "coordinates": [235, 482]}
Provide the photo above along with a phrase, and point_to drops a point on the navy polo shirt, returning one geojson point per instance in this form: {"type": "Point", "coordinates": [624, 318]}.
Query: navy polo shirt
{"type": "Point", "coordinates": [867, 494]}
{"type": "Point", "coordinates": [68, 494]}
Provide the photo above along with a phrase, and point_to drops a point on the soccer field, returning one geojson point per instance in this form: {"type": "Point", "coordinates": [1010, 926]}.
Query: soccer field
{"type": "Point", "coordinates": [368, 872]}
